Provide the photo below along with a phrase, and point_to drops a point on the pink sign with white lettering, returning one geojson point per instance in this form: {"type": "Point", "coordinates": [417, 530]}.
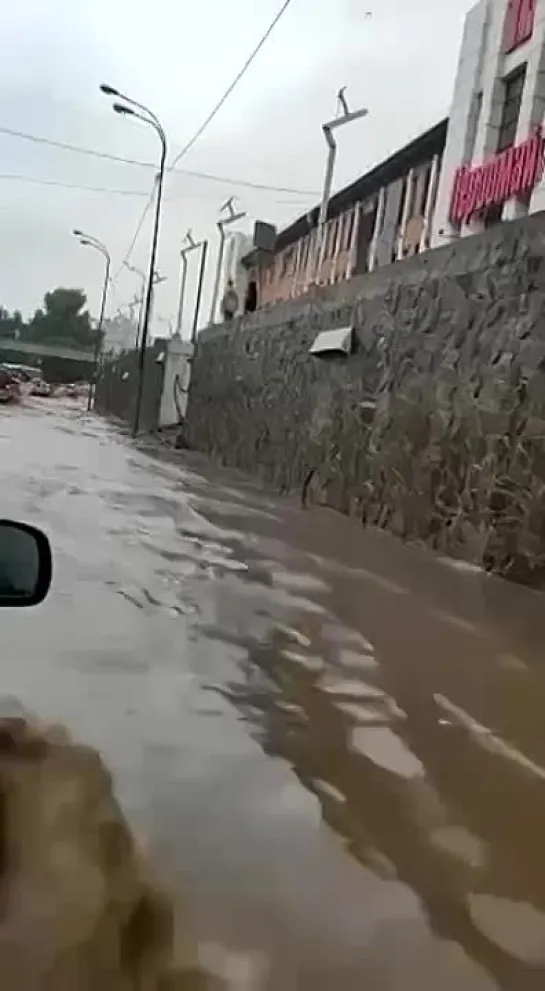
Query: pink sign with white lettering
{"type": "Point", "coordinates": [513, 172]}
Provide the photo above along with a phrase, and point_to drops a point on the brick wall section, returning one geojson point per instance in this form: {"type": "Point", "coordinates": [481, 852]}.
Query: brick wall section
{"type": "Point", "coordinates": [433, 428]}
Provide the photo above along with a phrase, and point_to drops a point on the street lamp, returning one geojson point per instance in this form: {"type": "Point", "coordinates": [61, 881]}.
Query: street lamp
{"type": "Point", "coordinates": [143, 113]}
{"type": "Point", "coordinates": [345, 116]}
{"type": "Point", "coordinates": [221, 225]}
{"type": "Point", "coordinates": [88, 241]}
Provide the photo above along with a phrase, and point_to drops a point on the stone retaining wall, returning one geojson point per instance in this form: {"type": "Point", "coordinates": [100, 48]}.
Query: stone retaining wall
{"type": "Point", "coordinates": [433, 428]}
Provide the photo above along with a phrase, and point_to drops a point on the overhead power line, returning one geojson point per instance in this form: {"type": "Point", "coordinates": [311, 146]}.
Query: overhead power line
{"type": "Point", "coordinates": [128, 253]}
{"type": "Point", "coordinates": [107, 156]}
{"type": "Point", "coordinates": [230, 88]}
{"type": "Point", "coordinates": [211, 115]}
{"type": "Point", "coordinates": [16, 176]}
{"type": "Point", "coordinates": [39, 181]}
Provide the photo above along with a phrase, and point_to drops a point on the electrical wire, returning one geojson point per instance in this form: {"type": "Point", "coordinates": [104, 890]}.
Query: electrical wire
{"type": "Point", "coordinates": [139, 226]}
{"type": "Point", "coordinates": [35, 180]}
{"type": "Point", "coordinates": [95, 153]}
{"type": "Point", "coordinates": [107, 156]}
{"type": "Point", "coordinates": [39, 181]}
{"type": "Point", "coordinates": [205, 124]}
{"type": "Point", "coordinates": [18, 177]}
{"type": "Point", "coordinates": [230, 88]}
{"type": "Point", "coordinates": [69, 185]}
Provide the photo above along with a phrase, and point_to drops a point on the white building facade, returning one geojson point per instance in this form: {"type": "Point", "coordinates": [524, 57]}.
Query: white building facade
{"type": "Point", "coordinates": [492, 167]}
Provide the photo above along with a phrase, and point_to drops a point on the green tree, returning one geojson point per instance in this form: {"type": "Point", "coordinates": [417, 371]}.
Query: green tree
{"type": "Point", "coordinates": [11, 324]}
{"type": "Point", "coordinates": [63, 320]}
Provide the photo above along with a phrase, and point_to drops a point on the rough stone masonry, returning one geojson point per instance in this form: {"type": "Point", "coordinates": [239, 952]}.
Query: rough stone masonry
{"type": "Point", "coordinates": [433, 428]}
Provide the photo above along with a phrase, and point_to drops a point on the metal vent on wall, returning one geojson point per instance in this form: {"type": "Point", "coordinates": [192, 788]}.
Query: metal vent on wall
{"type": "Point", "coordinates": [332, 343]}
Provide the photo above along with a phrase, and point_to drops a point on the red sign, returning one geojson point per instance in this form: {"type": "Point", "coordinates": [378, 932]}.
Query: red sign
{"type": "Point", "coordinates": [519, 23]}
{"type": "Point", "coordinates": [511, 173]}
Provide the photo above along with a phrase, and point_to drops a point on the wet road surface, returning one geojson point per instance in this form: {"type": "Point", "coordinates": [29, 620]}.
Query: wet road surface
{"type": "Point", "coordinates": [333, 745]}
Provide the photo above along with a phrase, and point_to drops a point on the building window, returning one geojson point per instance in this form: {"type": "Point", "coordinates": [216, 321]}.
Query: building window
{"type": "Point", "coordinates": [425, 189]}
{"type": "Point", "coordinates": [286, 262]}
{"type": "Point", "coordinates": [322, 253]}
{"type": "Point", "coordinates": [513, 90]}
{"type": "Point", "coordinates": [493, 215]}
{"type": "Point", "coordinates": [413, 190]}
{"type": "Point", "coordinates": [519, 23]}
{"type": "Point", "coordinates": [330, 238]}
{"type": "Point", "coordinates": [475, 112]}
{"type": "Point", "coordinates": [334, 232]}
{"type": "Point", "coordinates": [348, 227]}
{"type": "Point", "coordinates": [402, 195]}
{"type": "Point", "coordinates": [342, 224]}
{"type": "Point", "coordinates": [381, 205]}
{"type": "Point", "coordinates": [292, 259]}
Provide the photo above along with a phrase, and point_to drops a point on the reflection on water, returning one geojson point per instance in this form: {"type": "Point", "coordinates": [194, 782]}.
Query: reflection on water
{"type": "Point", "coordinates": [486, 739]}
{"type": "Point", "coordinates": [420, 790]}
{"type": "Point", "coordinates": [386, 749]}
{"type": "Point", "coordinates": [337, 743]}
{"type": "Point", "coordinates": [406, 812]}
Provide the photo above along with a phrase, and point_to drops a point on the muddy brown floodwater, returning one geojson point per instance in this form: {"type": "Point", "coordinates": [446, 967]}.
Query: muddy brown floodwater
{"type": "Point", "coordinates": [333, 745]}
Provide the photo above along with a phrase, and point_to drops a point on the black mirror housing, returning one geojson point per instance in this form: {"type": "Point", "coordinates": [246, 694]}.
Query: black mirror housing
{"type": "Point", "coordinates": [26, 565]}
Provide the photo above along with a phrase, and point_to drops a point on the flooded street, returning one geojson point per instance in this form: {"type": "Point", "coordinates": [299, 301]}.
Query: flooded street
{"type": "Point", "coordinates": [333, 745]}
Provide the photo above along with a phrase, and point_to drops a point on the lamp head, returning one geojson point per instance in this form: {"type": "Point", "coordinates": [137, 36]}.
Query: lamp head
{"type": "Point", "coordinates": [122, 108]}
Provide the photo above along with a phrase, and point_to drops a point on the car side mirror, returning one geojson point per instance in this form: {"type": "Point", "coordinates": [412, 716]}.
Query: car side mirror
{"type": "Point", "coordinates": [25, 564]}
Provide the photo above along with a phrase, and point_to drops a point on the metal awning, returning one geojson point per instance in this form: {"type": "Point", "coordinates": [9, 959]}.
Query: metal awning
{"type": "Point", "coordinates": [331, 342]}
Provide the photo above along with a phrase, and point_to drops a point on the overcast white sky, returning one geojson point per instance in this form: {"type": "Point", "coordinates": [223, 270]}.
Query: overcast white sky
{"type": "Point", "coordinates": [178, 56]}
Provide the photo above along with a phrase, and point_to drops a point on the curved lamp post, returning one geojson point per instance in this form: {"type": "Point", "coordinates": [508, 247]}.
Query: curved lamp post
{"type": "Point", "coordinates": [345, 116]}
{"type": "Point", "coordinates": [190, 246]}
{"type": "Point", "coordinates": [202, 247]}
{"type": "Point", "coordinates": [132, 108]}
{"type": "Point", "coordinates": [88, 241]}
